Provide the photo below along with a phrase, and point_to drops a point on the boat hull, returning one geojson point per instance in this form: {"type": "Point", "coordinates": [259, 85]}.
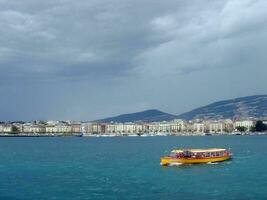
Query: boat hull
{"type": "Point", "coordinates": [166, 161]}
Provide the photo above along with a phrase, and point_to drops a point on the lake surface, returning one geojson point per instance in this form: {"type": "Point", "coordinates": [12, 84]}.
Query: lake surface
{"type": "Point", "coordinates": [128, 168]}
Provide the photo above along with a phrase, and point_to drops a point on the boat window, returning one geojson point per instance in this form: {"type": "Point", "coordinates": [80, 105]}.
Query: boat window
{"type": "Point", "coordinates": [173, 154]}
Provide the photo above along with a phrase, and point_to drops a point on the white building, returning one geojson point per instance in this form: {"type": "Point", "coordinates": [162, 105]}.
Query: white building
{"type": "Point", "coordinates": [5, 128]}
{"type": "Point", "coordinates": [129, 128]}
{"type": "Point", "coordinates": [111, 128]}
{"type": "Point", "coordinates": [153, 127]}
{"type": "Point", "coordinates": [125, 128]}
{"type": "Point", "coordinates": [244, 123]}
{"type": "Point", "coordinates": [86, 128]}
{"type": "Point", "coordinates": [58, 128]}
{"type": "Point", "coordinates": [177, 126]}
{"type": "Point", "coordinates": [140, 128]}
{"type": "Point", "coordinates": [33, 128]}
{"type": "Point", "coordinates": [119, 128]}
{"type": "Point", "coordinates": [215, 127]}
{"type": "Point", "coordinates": [159, 128]}
{"type": "Point", "coordinates": [228, 126]}
{"type": "Point", "coordinates": [199, 127]}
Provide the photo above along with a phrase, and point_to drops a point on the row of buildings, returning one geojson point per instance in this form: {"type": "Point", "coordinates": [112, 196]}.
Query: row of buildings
{"type": "Point", "coordinates": [49, 128]}
{"type": "Point", "coordinates": [175, 127]}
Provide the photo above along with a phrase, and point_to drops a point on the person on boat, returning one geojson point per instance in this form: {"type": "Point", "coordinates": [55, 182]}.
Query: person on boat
{"type": "Point", "coordinates": [180, 155]}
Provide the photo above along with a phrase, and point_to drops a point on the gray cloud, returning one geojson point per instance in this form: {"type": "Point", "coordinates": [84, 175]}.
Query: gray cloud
{"type": "Point", "coordinates": [69, 35]}
{"type": "Point", "coordinates": [99, 58]}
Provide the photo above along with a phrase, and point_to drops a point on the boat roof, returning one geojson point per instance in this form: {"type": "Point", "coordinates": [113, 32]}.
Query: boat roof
{"type": "Point", "coordinates": [198, 150]}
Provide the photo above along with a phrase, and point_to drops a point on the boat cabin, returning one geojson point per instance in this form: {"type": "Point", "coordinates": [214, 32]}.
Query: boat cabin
{"type": "Point", "coordinates": [199, 153]}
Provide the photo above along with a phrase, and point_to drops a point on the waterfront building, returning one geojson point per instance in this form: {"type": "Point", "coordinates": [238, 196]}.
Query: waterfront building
{"type": "Point", "coordinates": [126, 128]}
{"type": "Point", "coordinates": [140, 128]}
{"type": "Point", "coordinates": [111, 128]}
{"type": "Point", "coordinates": [63, 128]}
{"type": "Point", "coordinates": [228, 126]}
{"type": "Point", "coordinates": [60, 128]}
{"type": "Point", "coordinates": [215, 127]}
{"type": "Point", "coordinates": [27, 128]}
{"type": "Point", "coordinates": [5, 128]}
{"type": "Point", "coordinates": [189, 128]}
{"type": "Point", "coordinates": [33, 128]}
{"type": "Point", "coordinates": [50, 129]}
{"type": "Point", "coordinates": [129, 128]}
{"type": "Point", "coordinates": [159, 127]}
{"type": "Point", "coordinates": [165, 127]}
{"type": "Point", "coordinates": [153, 128]}
{"type": "Point", "coordinates": [199, 127]}
{"type": "Point", "coordinates": [248, 124]}
{"type": "Point", "coordinates": [18, 127]}
{"type": "Point", "coordinates": [86, 127]}
{"type": "Point", "coordinates": [75, 127]}
{"type": "Point", "coordinates": [2, 128]}
{"type": "Point", "coordinates": [177, 126]}
{"type": "Point", "coordinates": [119, 128]}
{"type": "Point", "coordinates": [97, 128]}
{"type": "Point", "coordinates": [145, 128]}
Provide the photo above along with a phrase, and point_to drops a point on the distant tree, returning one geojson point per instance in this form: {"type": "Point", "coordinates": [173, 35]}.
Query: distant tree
{"type": "Point", "coordinates": [241, 128]}
{"type": "Point", "coordinates": [260, 126]}
{"type": "Point", "coordinates": [14, 130]}
{"type": "Point", "coordinates": [42, 122]}
{"type": "Point", "coordinates": [252, 129]}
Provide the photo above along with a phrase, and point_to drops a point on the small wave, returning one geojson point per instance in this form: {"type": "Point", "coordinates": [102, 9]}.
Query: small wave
{"type": "Point", "coordinates": [175, 164]}
{"type": "Point", "coordinates": [212, 163]}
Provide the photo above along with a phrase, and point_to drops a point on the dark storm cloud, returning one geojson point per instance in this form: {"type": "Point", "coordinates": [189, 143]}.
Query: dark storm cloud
{"type": "Point", "coordinates": [70, 36]}
{"type": "Point", "coordinates": [129, 55]}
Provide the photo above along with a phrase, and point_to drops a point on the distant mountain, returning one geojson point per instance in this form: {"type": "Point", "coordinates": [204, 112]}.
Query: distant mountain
{"type": "Point", "coordinates": [147, 115]}
{"type": "Point", "coordinates": [250, 106]}
{"type": "Point", "coordinates": [244, 107]}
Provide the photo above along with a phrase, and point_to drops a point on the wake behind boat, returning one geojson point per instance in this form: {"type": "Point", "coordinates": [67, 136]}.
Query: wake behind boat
{"type": "Point", "coordinates": [195, 156]}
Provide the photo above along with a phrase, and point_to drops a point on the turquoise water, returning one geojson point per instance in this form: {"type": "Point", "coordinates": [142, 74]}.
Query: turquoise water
{"type": "Point", "coordinates": [128, 168]}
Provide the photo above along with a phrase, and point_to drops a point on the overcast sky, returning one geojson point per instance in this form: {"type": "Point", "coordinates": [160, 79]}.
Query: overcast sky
{"type": "Point", "coordinates": [88, 59]}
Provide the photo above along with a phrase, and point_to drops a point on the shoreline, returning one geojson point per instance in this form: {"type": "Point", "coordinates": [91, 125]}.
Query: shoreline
{"type": "Point", "coordinates": [147, 135]}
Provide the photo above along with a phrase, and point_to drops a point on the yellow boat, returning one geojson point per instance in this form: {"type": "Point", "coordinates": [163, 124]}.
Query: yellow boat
{"type": "Point", "coordinates": [195, 156]}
